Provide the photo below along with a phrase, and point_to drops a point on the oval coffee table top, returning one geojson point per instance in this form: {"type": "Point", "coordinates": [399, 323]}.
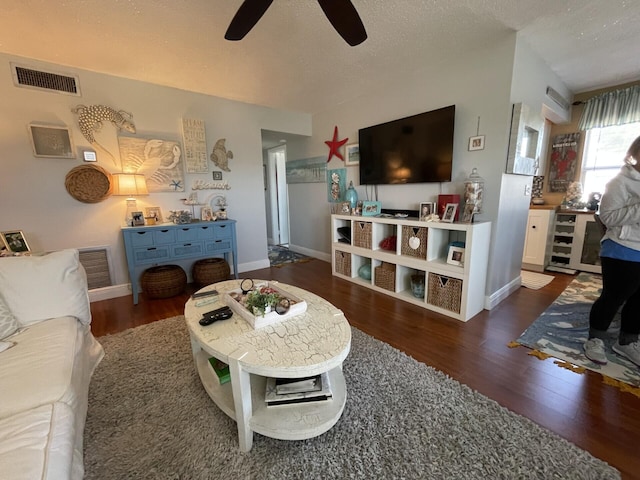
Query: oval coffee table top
{"type": "Point", "coordinates": [306, 344]}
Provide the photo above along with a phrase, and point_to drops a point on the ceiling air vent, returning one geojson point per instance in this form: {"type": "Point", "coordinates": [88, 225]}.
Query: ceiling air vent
{"type": "Point", "coordinates": [52, 82]}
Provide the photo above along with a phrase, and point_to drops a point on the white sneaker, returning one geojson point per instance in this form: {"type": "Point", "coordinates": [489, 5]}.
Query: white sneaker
{"type": "Point", "coordinates": [630, 351]}
{"type": "Point", "coordinates": [594, 351]}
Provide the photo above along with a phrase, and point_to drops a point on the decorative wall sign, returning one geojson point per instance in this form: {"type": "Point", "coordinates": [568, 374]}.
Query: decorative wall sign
{"type": "Point", "coordinates": [51, 141]}
{"type": "Point", "coordinates": [160, 161]}
{"type": "Point", "coordinates": [195, 146]}
{"type": "Point", "coordinates": [307, 170]}
{"type": "Point", "coordinates": [202, 185]}
{"type": "Point", "coordinates": [335, 144]}
{"type": "Point", "coordinates": [91, 119]}
{"type": "Point", "coordinates": [221, 156]}
{"type": "Point", "coordinates": [564, 161]}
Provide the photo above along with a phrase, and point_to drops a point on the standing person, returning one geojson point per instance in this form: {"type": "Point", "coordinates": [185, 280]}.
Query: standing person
{"type": "Point", "coordinates": [620, 258]}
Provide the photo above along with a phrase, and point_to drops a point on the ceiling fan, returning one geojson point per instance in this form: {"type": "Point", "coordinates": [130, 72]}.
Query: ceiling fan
{"type": "Point", "coordinates": [341, 13]}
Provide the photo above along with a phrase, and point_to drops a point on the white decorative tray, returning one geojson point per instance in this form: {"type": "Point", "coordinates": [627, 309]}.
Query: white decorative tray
{"type": "Point", "coordinates": [297, 306]}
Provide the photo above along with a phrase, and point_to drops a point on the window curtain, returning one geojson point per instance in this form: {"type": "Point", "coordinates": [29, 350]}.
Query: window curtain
{"type": "Point", "coordinates": [611, 108]}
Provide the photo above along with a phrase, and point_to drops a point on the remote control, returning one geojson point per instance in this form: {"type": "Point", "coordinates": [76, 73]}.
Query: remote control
{"type": "Point", "coordinates": [213, 316]}
{"type": "Point", "coordinates": [208, 293]}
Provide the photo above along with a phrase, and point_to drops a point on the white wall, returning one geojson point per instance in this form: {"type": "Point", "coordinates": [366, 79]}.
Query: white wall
{"type": "Point", "coordinates": [32, 192]}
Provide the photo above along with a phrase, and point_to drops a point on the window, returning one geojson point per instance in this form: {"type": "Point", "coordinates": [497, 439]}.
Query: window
{"type": "Point", "coordinates": [604, 152]}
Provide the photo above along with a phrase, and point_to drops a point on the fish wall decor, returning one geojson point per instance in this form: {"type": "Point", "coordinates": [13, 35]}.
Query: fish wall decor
{"type": "Point", "coordinates": [221, 156]}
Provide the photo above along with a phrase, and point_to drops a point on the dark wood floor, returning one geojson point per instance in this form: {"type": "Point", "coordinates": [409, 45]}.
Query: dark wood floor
{"type": "Point", "coordinates": [579, 407]}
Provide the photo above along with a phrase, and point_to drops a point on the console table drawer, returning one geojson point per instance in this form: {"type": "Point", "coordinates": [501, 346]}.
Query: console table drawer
{"type": "Point", "coordinates": [188, 249]}
{"type": "Point", "coordinates": [223, 231]}
{"type": "Point", "coordinates": [218, 246]}
{"type": "Point", "coordinates": [187, 234]}
{"type": "Point", "coordinates": [141, 239]}
{"type": "Point", "coordinates": [163, 237]}
{"type": "Point", "coordinates": [151, 254]}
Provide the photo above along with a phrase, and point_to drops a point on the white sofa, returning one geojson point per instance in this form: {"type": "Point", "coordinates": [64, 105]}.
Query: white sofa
{"type": "Point", "coordinates": [47, 357]}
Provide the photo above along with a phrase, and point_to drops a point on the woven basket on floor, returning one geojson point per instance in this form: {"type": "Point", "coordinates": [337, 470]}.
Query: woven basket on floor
{"type": "Point", "coordinates": [163, 281]}
{"type": "Point", "coordinates": [210, 270]}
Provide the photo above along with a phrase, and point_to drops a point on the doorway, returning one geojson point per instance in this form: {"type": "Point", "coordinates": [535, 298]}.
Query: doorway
{"type": "Point", "coordinates": [277, 200]}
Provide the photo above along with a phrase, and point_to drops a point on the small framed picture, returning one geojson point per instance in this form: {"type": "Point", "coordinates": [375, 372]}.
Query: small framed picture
{"type": "Point", "coordinates": [352, 154]}
{"type": "Point", "coordinates": [476, 143]}
{"type": "Point", "coordinates": [154, 212]}
{"type": "Point", "coordinates": [371, 209]}
{"type": "Point", "coordinates": [450, 212]}
{"type": "Point", "coordinates": [467, 213]}
{"type": "Point", "coordinates": [345, 208]}
{"type": "Point", "coordinates": [51, 141]}
{"type": "Point", "coordinates": [426, 210]}
{"type": "Point", "coordinates": [217, 175]}
{"type": "Point", "coordinates": [206, 214]}
{"type": "Point", "coordinates": [15, 241]}
{"type": "Point", "coordinates": [138, 218]}
{"type": "Point", "coordinates": [456, 256]}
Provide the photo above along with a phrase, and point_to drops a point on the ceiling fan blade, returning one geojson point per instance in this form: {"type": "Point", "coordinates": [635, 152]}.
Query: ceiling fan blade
{"type": "Point", "coordinates": [345, 19]}
{"type": "Point", "coordinates": [246, 17]}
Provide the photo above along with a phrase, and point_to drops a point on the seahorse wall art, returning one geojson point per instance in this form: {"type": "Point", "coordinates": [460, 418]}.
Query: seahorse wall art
{"type": "Point", "coordinates": [90, 119]}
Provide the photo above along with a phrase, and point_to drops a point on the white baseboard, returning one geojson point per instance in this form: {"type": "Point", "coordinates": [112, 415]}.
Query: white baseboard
{"type": "Point", "coordinates": [311, 253]}
{"type": "Point", "coordinates": [106, 293]}
{"type": "Point", "coordinates": [498, 296]}
{"type": "Point", "coordinates": [248, 267]}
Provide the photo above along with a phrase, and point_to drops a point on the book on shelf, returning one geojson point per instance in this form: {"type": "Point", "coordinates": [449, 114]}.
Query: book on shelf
{"type": "Point", "coordinates": [288, 391]}
{"type": "Point", "coordinates": [221, 369]}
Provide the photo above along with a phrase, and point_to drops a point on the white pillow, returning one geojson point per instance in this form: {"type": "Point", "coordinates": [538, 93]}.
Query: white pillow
{"type": "Point", "coordinates": [8, 322]}
{"type": "Point", "coordinates": [36, 288]}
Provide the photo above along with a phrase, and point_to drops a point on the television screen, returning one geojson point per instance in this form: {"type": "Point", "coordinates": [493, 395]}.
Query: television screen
{"type": "Point", "coordinates": [416, 149]}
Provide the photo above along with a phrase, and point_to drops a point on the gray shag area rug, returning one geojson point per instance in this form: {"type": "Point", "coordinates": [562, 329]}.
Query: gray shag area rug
{"type": "Point", "coordinates": [150, 418]}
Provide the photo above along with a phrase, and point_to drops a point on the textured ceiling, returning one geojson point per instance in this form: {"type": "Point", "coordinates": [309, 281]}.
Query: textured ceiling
{"type": "Point", "coordinates": [294, 60]}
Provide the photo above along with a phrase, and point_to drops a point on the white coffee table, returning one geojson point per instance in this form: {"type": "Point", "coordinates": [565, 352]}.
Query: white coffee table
{"type": "Point", "coordinates": [314, 342]}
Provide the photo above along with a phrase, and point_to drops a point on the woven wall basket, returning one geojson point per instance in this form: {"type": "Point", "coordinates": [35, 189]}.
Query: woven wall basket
{"type": "Point", "coordinates": [210, 270]}
{"type": "Point", "coordinates": [88, 183]}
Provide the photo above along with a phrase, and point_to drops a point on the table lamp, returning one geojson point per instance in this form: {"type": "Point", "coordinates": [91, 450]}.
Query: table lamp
{"type": "Point", "coordinates": [129, 185]}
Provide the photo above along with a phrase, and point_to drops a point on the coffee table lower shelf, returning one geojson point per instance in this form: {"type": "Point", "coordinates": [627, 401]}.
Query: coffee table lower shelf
{"type": "Point", "coordinates": [285, 422]}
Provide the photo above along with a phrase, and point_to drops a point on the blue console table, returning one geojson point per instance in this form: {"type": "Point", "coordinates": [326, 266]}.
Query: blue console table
{"type": "Point", "coordinates": [168, 243]}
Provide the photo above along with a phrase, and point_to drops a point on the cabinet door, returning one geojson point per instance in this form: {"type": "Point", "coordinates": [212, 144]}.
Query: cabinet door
{"type": "Point", "coordinates": [535, 243]}
{"type": "Point", "coordinates": [585, 254]}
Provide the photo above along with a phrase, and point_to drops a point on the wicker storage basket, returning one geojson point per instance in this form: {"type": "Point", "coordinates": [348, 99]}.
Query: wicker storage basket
{"type": "Point", "coordinates": [88, 183]}
{"type": "Point", "coordinates": [343, 263]}
{"type": "Point", "coordinates": [163, 281]}
{"type": "Point", "coordinates": [210, 270]}
{"type": "Point", "coordinates": [414, 241]}
{"type": "Point", "coordinates": [362, 234]}
{"type": "Point", "coordinates": [444, 292]}
{"type": "Point", "coordinates": [385, 276]}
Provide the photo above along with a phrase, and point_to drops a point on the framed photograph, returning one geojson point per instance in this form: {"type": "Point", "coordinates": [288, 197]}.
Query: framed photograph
{"type": "Point", "coordinates": [206, 214]}
{"type": "Point", "coordinates": [456, 256]}
{"type": "Point", "coordinates": [345, 208]}
{"type": "Point", "coordinates": [15, 241]}
{"type": "Point", "coordinates": [371, 209]}
{"type": "Point", "coordinates": [154, 212]}
{"type": "Point", "coordinates": [352, 154]}
{"type": "Point", "coordinates": [450, 212]}
{"type": "Point", "coordinates": [217, 175]}
{"type": "Point", "coordinates": [476, 143]}
{"type": "Point", "coordinates": [138, 218]}
{"type": "Point", "coordinates": [467, 214]}
{"type": "Point", "coordinates": [426, 210]}
{"type": "Point", "coordinates": [51, 141]}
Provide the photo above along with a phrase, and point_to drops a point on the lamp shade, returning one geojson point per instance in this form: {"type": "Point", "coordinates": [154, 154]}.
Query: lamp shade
{"type": "Point", "coordinates": [129, 184]}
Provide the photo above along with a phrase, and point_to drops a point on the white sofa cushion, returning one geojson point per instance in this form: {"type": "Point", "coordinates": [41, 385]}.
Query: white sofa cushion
{"type": "Point", "coordinates": [38, 444]}
{"type": "Point", "coordinates": [36, 288]}
{"type": "Point", "coordinates": [8, 322]}
{"type": "Point", "coordinates": [46, 365]}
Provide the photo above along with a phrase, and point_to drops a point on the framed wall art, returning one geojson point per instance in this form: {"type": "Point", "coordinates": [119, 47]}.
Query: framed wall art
{"type": "Point", "coordinates": [352, 154]}
{"type": "Point", "coordinates": [476, 143]}
{"type": "Point", "coordinates": [15, 242]}
{"type": "Point", "coordinates": [51, 141]}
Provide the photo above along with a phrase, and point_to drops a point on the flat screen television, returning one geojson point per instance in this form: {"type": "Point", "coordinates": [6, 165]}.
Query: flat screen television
{"type": "Point", "coordinates": [416, 149]}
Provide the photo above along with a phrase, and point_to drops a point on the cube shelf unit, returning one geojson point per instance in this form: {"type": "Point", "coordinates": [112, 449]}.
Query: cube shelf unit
{"type": "Point", "coordinates": [461, 299]}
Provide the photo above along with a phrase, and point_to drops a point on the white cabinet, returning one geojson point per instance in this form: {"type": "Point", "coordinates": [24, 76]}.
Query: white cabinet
{"type": "Point", "coordinates": [576, 243]}
{"type": "Point", "coordinates": [536, 255]}
{"type": "Point", "coordinates": [421, 250]}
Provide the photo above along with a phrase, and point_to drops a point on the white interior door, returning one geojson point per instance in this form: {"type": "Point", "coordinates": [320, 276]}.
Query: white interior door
{"type": "Point", "coordinates": [278, 196]}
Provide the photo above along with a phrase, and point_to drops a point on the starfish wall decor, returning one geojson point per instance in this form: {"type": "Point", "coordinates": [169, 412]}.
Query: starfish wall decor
{"type": "Point", "coordinates": [335, 144]}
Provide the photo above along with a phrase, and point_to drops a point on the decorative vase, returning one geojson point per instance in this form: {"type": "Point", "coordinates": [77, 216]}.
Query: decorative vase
{"type": "Point", "coordinates": [351, 195]}
{"type": "Point", "coordinates": [365, 271]}
{"type": "Point", "coordinates": [417, 285]}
